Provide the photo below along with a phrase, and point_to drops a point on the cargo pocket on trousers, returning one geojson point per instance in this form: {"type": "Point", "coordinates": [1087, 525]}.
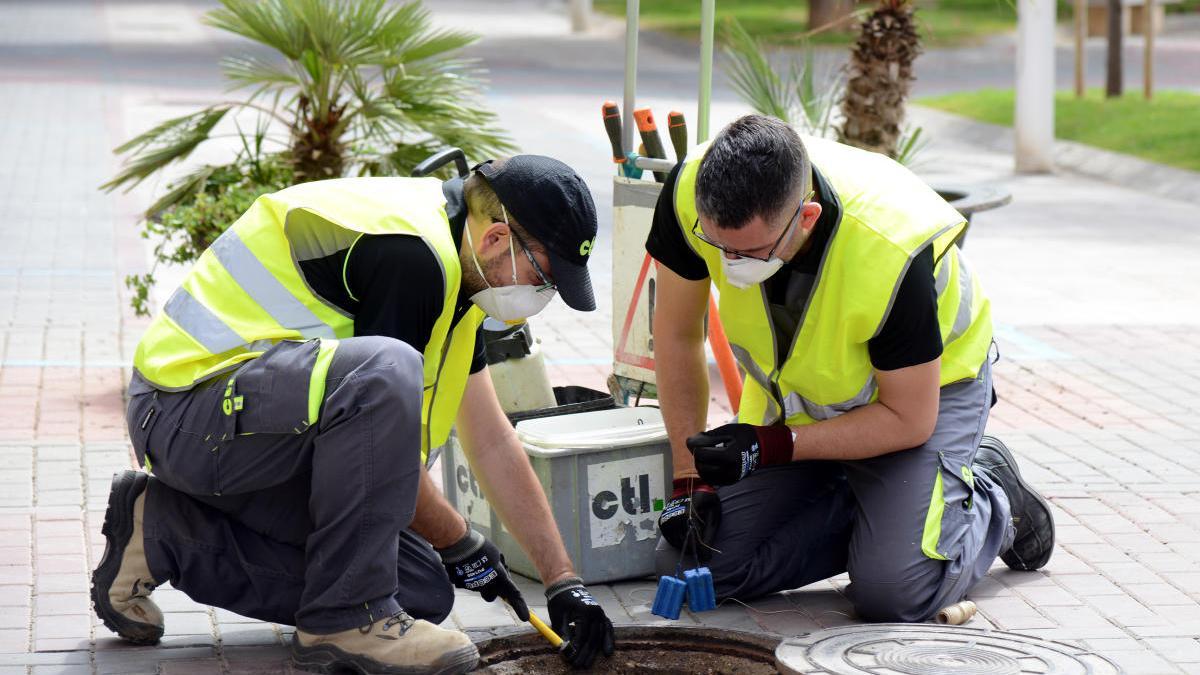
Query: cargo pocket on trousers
{"type": "Point", "coordinates": [270, 393]}
{"type": "Point", "coordinates": [950, 523]}
{"type": "Point", "coordinates": [141, 415]}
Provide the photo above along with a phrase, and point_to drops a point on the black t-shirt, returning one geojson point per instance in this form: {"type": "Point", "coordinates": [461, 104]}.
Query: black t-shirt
{"type": "Point", "coordinates": [910, 335]}
{"type": "Point", "coordinates": [393, 283]}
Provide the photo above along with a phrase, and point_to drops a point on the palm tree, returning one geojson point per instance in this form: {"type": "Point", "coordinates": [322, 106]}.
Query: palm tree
{"type": "Point", "coordinates": [880, 76]}
{"type": "Point", "coordinates": [363, 87]}
{"type": "Point", "coordinates": [800, 96]}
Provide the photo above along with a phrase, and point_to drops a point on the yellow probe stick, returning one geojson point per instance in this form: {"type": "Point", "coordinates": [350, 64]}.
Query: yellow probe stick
{"type": "Point", "coordinates": [546, 631]}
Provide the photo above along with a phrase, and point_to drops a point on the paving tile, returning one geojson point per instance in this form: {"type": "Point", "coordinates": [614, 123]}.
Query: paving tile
{"type": "Point", "coordinates": [16, 575]}
{"type": "Point", "coordinates": [15, 595]}
{"type": "Point", "coordinates": [192, 667]}
{"type": "Point", "coordinates": [1157, 595]}
{"type": "Point", "coordinates": [170, 600]}
{"type": "Point", "coordinates": [191, 623]}
{"type": "Point", "coordinates": [63, 626]}
{"type": "Point", "coordinates": [62, 583]}
{"type": "Point", "coordinates": [252, 634]}
{"type": "Point", "coordinates": [55, 604]}
{"type": "Point", "coordinates": [15, 617]}
{"type": "Point", "coordinates": [1141, 662]}
{"type": "Point", "coordinates": [61, 670]}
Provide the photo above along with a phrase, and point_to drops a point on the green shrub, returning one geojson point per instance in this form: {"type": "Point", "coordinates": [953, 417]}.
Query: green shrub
{"type": "Point", "coordinates": [215, 197]}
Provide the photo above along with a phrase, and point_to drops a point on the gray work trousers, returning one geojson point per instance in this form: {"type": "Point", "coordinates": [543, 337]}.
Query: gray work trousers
{"type": "Point", "coordinates": [788, 526]}
{"type": "Point", "coordinates": [254, 513]}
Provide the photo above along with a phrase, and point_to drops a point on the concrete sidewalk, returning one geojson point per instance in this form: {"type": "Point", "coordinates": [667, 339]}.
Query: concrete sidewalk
{"type": "Point", "coordinates": [1095, 289]}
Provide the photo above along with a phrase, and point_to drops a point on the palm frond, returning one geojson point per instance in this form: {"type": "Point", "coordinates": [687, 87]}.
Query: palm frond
{"type": "Point", "coordinates": [180, 190]}
{"type": "Point", "coordinates": [752, 76]}
{"type": "Point", "coordinates": [254, 71]}
{"type": "Point", "coordinates": [911, 146]}
{"type": "Point", "coordinates": [269, 22]}
{"type": "Point", "coordinates": [356, 80]}
{"type": "Point", "coordinates": [436, 44]}
{"type": "Point", "coordinates": [168, 142]}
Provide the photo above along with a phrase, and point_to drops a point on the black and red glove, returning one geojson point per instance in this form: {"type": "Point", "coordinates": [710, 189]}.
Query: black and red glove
{"type": "Point", "coordinates": [731, 452]}
{"type": "Point", "coordinates": [692, 500]}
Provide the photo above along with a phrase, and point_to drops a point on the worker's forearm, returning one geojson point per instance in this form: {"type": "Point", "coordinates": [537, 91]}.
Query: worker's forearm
{"type": "Point", "coordinates": [514, 492]}
{"type": "Point", "coordinates": [681, 374]}
{"type": "Point", "coordinates": [869, 431]}
{"type": "Point", "coordinates": [435, 520]}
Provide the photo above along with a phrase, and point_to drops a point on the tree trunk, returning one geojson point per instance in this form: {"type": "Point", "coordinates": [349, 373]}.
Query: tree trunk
{"type": "Point", "coordinates": [1113, 82]}
{"type": "Point", "coordinates": [830, 14]}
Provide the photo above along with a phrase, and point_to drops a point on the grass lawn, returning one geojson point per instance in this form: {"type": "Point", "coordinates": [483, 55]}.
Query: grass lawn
{"type": "Point", "coordinates": [784, 22]}
{"type": "Point", "coordinates": [1165, 129]}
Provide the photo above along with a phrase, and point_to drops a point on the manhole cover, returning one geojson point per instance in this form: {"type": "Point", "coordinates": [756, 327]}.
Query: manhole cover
{"type": "Point", "coordinates": [923, 649]}
{"type": "Point", "coordinates": [645, 650]}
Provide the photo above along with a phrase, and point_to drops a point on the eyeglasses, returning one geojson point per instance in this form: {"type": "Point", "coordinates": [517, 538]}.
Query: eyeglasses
{"type": "Point", "coordinates": [743, 254]}
{"type": "Point", "coordinates": [546, 283]}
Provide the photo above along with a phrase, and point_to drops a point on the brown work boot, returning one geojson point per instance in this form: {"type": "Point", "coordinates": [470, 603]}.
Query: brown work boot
{"type": "Point", "coordinates": [121, 583]}
{"type": "Point", "coordinates": [398, 644]}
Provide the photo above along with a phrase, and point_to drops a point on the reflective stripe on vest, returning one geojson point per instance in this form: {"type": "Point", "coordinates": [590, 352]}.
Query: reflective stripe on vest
{"type": "Point", "coordinates": [888, 217]}
{"type": "Point", "coordinates": [246, 292]}
{"type": "Point", "coordinates": [249, 273]}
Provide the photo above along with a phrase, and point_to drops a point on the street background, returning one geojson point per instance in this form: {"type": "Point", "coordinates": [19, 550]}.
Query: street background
{"type": "Point", "coordinates": [1094, 284]}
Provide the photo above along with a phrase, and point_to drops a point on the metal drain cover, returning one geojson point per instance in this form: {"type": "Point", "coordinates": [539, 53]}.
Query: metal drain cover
{"type": "Point", "coordinates": [927, 649]}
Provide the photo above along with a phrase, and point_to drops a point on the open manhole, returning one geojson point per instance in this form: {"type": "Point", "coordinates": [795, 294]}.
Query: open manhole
{"type": "Point", "coordinates": [648, 650]}
{"type": "Point", "coordinates": [924, 649]}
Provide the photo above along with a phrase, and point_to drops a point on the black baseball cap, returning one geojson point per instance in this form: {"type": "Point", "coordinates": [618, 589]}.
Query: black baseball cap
{"type": "Point", "coordinates": [551, 202]}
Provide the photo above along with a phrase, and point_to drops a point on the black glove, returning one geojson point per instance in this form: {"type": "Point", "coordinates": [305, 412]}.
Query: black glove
{"type": "Point", "coordinates": [694, 501]}
{"type": "Point", "coordinates": [580, 622]}
{"type": "Point", "coordinates": [731, 452]}
{"type": "Point", "coordinates": [474, 563]}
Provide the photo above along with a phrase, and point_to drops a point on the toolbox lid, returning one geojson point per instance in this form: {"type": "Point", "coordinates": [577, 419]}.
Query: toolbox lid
{"type": "Point", "coordinates": [591, 431]}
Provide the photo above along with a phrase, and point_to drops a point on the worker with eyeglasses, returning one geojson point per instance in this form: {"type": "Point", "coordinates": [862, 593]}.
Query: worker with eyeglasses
{"type": "Point", "coordinates": [864, 339]}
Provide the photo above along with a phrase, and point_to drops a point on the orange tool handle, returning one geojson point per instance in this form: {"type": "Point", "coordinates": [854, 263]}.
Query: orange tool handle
{"type": "Point", "coordinates": [650, 138]}
{"type": "Point", "coordinates": [645, 119]}
{"type": "Point", "coordinates": [726, 364]}
{"type": "Point", "coordinates": [612, 124]}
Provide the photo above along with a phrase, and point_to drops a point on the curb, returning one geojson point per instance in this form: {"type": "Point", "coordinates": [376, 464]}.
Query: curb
{"type": "Point", "coordinates": [1069, 156]}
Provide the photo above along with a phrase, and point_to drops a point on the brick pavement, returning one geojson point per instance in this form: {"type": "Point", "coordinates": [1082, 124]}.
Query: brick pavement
{"type": "Point", "coordinates": [1098, 383]}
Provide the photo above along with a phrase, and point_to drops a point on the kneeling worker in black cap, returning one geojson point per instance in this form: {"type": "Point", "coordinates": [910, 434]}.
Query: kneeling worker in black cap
{"type": "Point", "coordinates": [289, 392]}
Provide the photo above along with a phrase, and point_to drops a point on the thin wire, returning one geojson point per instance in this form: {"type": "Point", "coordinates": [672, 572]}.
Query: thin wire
{"type": "Point", "coordinates": [631, 596]}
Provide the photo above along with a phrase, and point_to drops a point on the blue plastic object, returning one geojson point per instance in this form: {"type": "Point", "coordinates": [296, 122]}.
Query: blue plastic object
{"type": "Point", "coordinates": [668, 600]}
{"type": "Point", "coordinates": [701, 595]}
{"type": "Point", "coordinates": [629, 168]}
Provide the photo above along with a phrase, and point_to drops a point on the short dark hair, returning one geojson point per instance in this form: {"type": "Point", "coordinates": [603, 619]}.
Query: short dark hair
{"type": "Point", "coordinates": [754, 167]}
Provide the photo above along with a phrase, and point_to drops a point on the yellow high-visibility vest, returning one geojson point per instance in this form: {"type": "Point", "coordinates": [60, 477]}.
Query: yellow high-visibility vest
{"type": "Point", "coordinates": [246, 292]}
{"type": "Point", "coordinates": [888, 216]}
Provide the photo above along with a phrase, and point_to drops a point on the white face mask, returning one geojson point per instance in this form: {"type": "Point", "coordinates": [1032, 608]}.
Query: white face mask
{"type": "Point", "coordinates": [510, 304]}
{"type": "Point", "coordinates": [743, 272]}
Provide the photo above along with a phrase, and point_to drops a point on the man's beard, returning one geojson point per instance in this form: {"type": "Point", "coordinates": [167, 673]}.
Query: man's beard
{"type": "Point", "coordinates": [472, 282]}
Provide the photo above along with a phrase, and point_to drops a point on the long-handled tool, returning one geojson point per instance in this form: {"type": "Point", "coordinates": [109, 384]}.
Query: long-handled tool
{"type": "Point", "coordinates": [626, 162]}
{"type": "Point", "coordinates": [677, 130]}
{"type": "Point", "coordinates": [612, 125]}
{"type": "Point", "coordinates": [650, 138]}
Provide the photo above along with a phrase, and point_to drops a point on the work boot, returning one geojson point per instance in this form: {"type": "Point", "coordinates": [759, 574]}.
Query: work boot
{"type": "Point", "coordinates": [121, 583]}
{"type": "Point", "coordinates": [398, 644]}
{"type": "Point", "coordinates": [1034, 540]}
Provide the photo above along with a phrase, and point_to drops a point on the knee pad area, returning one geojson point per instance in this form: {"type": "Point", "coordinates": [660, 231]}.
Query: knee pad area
{"type": "Point", "coordinates": [903, 602]}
